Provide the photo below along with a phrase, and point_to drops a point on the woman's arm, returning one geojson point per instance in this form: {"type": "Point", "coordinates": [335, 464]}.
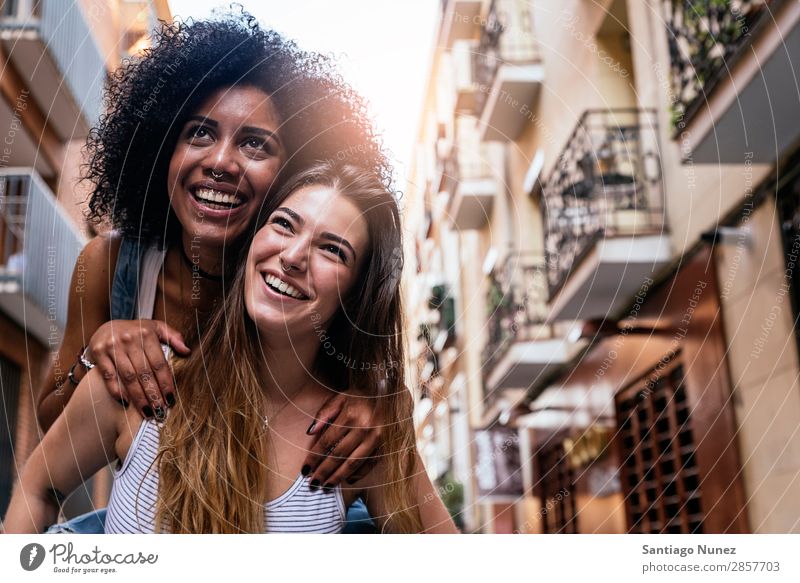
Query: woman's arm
{"type": "Point", "coordinates": [80, 442]}
{"type": "Point", "coordinates": [88, 308]}
{"type": "Point", "coordinates": [127, 352]}
{"type": "Point", "coordinates": [435, 517]}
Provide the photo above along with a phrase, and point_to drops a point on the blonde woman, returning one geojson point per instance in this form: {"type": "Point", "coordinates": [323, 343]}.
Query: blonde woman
{"type": "Point", "coordinates": [315, 307]}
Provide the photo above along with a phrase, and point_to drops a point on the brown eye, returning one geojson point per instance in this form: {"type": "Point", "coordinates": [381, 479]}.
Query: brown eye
{"type": "Point", "coordinates": [197, 132]}
{"type": "Point", "coordinates": [336, 251]}
{"type": "Point", "coordinates": [262, 145]}
{"type": "Point", "coordinates": [283, 223]}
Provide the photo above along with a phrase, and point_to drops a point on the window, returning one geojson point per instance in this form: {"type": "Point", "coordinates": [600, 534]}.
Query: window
{"type": "Point", "coordinates": [660, 477]}
{"type": "Point", "coordinates": [556, 489]}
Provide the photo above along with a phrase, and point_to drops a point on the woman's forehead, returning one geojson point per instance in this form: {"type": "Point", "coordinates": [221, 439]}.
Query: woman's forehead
{"type": "Point", "coordinates": [323, 208]}
{"type": "Point", "coordinates": [242, 104]}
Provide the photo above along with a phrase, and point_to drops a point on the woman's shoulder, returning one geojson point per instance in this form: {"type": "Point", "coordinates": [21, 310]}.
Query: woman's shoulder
{"type": "Point", "coordinates": [103, 247]}
{"type": "Point", "coordinates": [99, 256]}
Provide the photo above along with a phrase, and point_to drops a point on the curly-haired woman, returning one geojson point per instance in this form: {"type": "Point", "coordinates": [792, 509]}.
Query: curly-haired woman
{"type": "Point", "coordinates": [197, 133]}
{"type": "Point", "coordinates": [227, 459]}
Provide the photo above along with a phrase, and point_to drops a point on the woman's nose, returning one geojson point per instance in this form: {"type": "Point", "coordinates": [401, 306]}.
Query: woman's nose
{"type": "Point", "coordinates": [221, 160]}
{"type": "Point", "coordinates": [294, 256]}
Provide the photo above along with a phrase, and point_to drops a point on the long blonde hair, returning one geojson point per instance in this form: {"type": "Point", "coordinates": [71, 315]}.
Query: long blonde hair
{"type": "Point", "coordinates": [212, 457]}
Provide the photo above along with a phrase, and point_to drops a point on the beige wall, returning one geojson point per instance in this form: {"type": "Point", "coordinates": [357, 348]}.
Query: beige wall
{"type": "Point", "coordinates": [764, 367]}
{"type": "Point", "coordinates": [103, 17]}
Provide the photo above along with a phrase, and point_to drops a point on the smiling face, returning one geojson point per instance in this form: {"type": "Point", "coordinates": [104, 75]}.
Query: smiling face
{"type": "Point", "coordinates": [304, 261]}
{"type": "Point", "coordinates": [224, 164]}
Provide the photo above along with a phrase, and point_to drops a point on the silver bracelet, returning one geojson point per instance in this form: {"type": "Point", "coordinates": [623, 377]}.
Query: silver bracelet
{"type": "Point", "coordinates": [88, 364]}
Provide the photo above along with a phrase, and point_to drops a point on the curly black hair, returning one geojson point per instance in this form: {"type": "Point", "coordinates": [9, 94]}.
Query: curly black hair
{"type": "Point", "coordinates": [148, 99]}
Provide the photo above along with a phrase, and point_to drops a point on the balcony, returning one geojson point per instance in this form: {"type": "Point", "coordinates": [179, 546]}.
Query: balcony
{"type": "Point", "coordinates": [604, 219]}
{"type": "Point", "coordinates": [521, 349]}
{"type": "Point", "coordinates": [508, 71]}
{"type": "Point", "coordinates": [39, 246]}
{"type": "Point", "coordinates": [460, 20]}
{"type": "Point", "coordinates": [437, 331]}
{"type": "Point", "coordinates": [733, 74]}
{"type": "Point", "coordinates": [52, 46]}
{"type": "Point", "coordinates": [475, 187]}
{"type": "Point", "coordinates": [463, 54]}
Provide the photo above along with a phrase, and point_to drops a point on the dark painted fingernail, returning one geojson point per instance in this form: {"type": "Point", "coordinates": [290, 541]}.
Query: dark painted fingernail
{"type": "Point", "coordinates": [170, 399]}
{"type": "Point", "coordinates": [351, 481]}
{"type": "Point", "coordinates": [305, 470]}
{"type": "Point", "coordinates": [328, 488]}
{"type": "Point", "coordinates": [311, 427]}
{"type": "Point", "coordinates": [148, 412]}
{"type": "Point", "coordinates": [314, 485]}
{"type": "Point", "coordinates": [160, 413]}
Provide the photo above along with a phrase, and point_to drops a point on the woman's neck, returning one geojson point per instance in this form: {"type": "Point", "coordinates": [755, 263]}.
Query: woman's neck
{"type": "Point", "coordinates": [207, 261]}
{"type": "Point", "coordinates": [290, 365]}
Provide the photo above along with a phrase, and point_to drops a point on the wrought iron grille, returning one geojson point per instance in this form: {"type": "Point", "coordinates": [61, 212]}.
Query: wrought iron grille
{"type": "Point", "coordinates": [606, 182]}
{"type": "Point", "coordinates": [705, 37]}
{"type": "Point", "coordinates": [555, 487]}
{"type": "Point", "coordinates": [516, 304]}
{"type": "Point", "coordinates": [661, 480]}
{"type": "Point", "coordinates": [506, 37]}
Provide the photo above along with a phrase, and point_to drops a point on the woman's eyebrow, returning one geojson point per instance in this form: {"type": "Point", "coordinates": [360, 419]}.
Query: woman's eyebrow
{"type": "Point", "coordinates": [260, 132]}
{"type": "Point", "coordinates": [298, 219]}
{"type": "Point", "coordinates": [203, 119]}
{"type": "Point", "coordinates": [246, 129]}
{"type": "Point", "coordinates": [338, 239]}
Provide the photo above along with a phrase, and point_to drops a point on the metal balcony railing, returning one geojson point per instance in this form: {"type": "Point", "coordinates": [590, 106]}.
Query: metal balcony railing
{"type": "Point", "coordinates": [705, 38]}
{"type": "Point", "coordinates": [467, 162]}
{"type": "Point", "coordinates": [503, 40]}
{"type": "Point", "coordinates": [39, 244]}
{"type": "Point", "coordinates": [63, 28]}
{"type": "Point", "coordinates": [516, 304]}
{"type": "Point", "coordinates": [606, 182]}
{"type": "Point", "coordinates": [475, 163]}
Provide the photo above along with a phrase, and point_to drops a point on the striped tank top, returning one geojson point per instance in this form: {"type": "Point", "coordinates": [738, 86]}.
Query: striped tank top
{"type": "Point", "coordinates": [131, 508]}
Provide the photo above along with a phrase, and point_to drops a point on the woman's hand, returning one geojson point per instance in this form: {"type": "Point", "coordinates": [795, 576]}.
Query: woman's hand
{"type": "Point", "coordinates": [129, 357]}
{"type": "Point", "coordinates": [348, 435]}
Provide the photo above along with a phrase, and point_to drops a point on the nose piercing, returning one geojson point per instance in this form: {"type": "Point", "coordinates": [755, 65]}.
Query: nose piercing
{"type": "Point", "coordinates": [285, 267]}
{"type": "Point", "coordinates": [215, 175]}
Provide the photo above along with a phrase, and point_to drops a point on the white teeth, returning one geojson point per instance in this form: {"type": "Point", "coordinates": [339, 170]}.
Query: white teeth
{"type": "Point", "coordinates": [283, 287]}
{"type": "Point", "coordinates": [208, 195]}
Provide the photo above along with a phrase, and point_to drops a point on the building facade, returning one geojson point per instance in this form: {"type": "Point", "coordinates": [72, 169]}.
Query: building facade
{"type": "Point", "coordinates": [604, 197]}
{"type": "Point", "coordinates": [55, 56]}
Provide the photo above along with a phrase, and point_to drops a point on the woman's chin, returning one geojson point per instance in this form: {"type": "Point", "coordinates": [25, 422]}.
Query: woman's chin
{"type": "Point", "coordinates": [278, 325]}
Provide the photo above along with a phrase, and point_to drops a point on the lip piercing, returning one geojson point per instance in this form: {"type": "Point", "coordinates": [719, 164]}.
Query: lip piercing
{"type": "Point", "coordinates": [215, 175]}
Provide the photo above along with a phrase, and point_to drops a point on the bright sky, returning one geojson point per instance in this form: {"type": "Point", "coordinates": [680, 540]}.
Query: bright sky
{"type": "Point", "coordinates": [383, 49]}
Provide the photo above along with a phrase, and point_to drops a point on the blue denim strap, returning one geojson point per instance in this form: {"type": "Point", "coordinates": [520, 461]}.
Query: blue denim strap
{"type": "Point", "coordinates": [125, 287]}
{"type": "Point", "coordinates": [359, 520]}
{"type": "Point", "coordinates": [89, 523]}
